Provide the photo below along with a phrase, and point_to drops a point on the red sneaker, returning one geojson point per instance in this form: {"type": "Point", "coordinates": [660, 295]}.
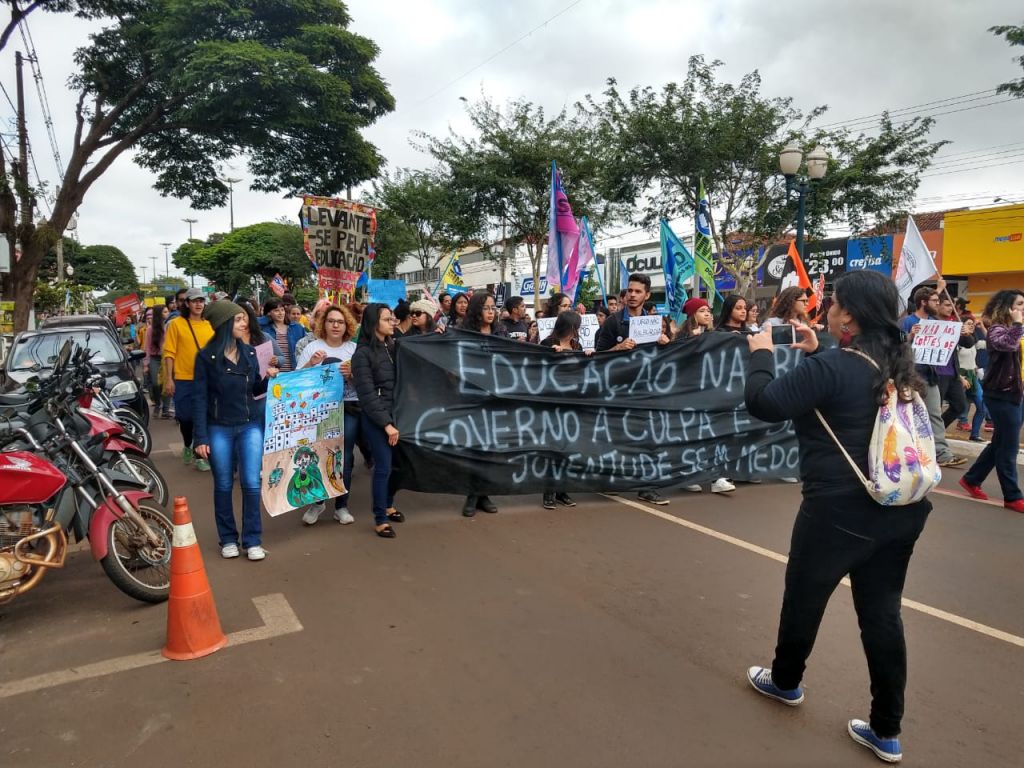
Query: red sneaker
{"type": "Point", "coordinates": [974, 491]}
{"type": "Point", "coordinates": [1016, 506]}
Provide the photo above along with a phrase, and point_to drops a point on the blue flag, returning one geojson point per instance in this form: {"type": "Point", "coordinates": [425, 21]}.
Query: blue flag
{"type": "Point", "coordinates": [623, 275]}
{"type": "Point", "coordinates": [679, 267]}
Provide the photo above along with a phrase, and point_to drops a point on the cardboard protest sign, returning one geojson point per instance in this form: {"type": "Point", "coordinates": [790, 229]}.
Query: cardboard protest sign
{"type": "Point", "coordinates": [935, 341]}
{"type": "Point", "coordinates": [126, 306]}
{"type": "Point", "coordinates": [386, 291]}
{"type": "Point", "coordinates": [338, 236]}
{"type": "Point", "coordinates": [645, 328]}
{"type": "Point", "coordinates": [304, 441]}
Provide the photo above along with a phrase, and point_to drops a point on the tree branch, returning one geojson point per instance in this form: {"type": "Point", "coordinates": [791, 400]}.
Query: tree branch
{"type": "Point", "coordinates": [16, 16]}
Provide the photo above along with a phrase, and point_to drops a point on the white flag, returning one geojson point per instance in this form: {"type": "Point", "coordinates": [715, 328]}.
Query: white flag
{"type": "Point", "coordinates": [916, 263]}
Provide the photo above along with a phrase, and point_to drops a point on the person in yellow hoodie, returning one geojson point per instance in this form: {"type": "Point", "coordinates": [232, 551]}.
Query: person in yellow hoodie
{"type": "Point", "coordinates": [186, 335]}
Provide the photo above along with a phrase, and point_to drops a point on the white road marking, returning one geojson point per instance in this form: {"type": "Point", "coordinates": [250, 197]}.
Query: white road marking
{"type": "Point", "coordinates": [937, 613]}
{"type": "Point", "coordinates": [964, 497]}
{"type": "Point", "coordinates": [277, 616]}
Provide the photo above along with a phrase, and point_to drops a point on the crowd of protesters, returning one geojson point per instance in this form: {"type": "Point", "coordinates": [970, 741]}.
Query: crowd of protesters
{"type": "Point", "coordinates": [200, 366]}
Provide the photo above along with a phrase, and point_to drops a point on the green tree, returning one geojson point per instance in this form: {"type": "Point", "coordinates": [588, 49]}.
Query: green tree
{"type": "Point", "coordinates": [189, 86]}
{"type": "Point", "coordinates": [53, 298]}
{"type": "Point", "coordinates": [505, 169]}
{"type": "Point", "coordinates": [426, 213]}
{"type": "Point", "coordinates": [664, 142]}
{"type": "Point", "coordinates": [260, 249]}
{"type": "Point", "coordinates": [105, 268]}
{"type": "Point", "coordinates": [394, 239]}
{"type": "Point", "coordinates": [1014, 36]}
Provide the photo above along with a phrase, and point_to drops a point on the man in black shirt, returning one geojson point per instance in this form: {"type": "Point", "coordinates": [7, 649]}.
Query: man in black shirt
{"type": "Point", "coordinates": [516, 324]}
{"type": "Point", "coordinates": [613, 335]}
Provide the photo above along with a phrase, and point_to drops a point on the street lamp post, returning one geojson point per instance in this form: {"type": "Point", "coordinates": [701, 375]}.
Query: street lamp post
{"type": "Point", "coordinates": [190, 222]}
{"type": "Point", "coordinates": [790, 159]}
{"type": "Point", "coordinates": [167, 261]}
{"type": "Point", "coordinates": [231, 198]}
{"type": "Point", "coordinates": [153, 259]}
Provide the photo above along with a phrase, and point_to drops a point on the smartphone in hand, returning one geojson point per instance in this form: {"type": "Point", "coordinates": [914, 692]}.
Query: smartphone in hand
{"type": "Point", "coordinates": [783, 334]}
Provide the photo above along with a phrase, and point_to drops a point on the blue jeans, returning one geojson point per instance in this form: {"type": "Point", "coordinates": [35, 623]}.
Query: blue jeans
{"type": "Point", "coordinates": [241, 445]}
{"type": "Point", "coordinates": [978, 398]}
{"type": "Point", "coordinates": [381, 452]}
{"type": "Point", "coordinates": [1001, 453]}
{"type": "Point", "coordinates": [351, 435]}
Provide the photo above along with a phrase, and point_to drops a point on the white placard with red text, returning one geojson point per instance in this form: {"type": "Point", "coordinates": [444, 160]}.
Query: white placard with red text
{"type": "Point", "coordinates": [935, 341]}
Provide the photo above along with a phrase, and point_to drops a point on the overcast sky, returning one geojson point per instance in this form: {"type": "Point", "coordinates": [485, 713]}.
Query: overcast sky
{"type": "Point", "coordinates": [857, 56]}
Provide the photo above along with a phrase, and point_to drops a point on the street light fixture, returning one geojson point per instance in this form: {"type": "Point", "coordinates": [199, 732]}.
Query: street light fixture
{"type": "Point", "coordinates": [167, 261]}
{"type": "Point", "coordinates": [790, 159]}
{"type": "Point", "coordinates": [153, 259]}
{"type": "Point", "coordinates": [231, 198]}
{"type": "Point", "coordinates": [190, 222]}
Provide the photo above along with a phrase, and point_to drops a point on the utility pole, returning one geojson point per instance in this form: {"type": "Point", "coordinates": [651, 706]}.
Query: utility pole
{"type": "Point", "coordinates": [190, 222]}
{"type": "Point", "coordinates": [153, 259]}
{"type": "Point", "coordinates": [26, 208]}
{"type": "Point", "coordinates": [231, 198]}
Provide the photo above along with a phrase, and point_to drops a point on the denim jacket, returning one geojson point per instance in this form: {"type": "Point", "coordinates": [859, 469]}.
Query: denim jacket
{"type": "Point", "coordinates": [295, 332]}
{"type": "Point", "coordinates": [224, 392]}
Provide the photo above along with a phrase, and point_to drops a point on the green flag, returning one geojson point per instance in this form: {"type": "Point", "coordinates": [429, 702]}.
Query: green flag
{"type": "Point", "coordinates": [704, 250]}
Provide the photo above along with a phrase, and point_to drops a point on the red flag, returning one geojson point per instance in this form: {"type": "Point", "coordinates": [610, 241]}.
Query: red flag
{"type": "Point", "coordinates": [794, 274]}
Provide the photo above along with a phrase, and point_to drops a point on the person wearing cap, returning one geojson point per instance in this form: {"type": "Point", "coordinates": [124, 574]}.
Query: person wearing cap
{"type": "Point", "coordinates": [422, 313]}
{"type": "Point", "coordinates": [229, 425]}
{"type": "Point", "coordinates": [186, 335]}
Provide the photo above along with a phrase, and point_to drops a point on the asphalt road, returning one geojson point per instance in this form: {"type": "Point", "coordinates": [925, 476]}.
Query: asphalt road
{"type": "Point", "coordinates": [602, 635]}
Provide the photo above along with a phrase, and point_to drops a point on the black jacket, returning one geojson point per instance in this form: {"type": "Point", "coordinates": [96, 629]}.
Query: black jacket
{"type": "Point", "coordinates": [224, 392]}
{"type": "Point", "coordinates": [842, 386]}
{"type": "Point", "coordinates": [613, 330]}
{"type": "Point", "coordinates": [373, 372]}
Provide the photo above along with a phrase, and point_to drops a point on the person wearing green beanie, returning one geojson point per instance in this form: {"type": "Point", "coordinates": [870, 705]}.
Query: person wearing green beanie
{"type": "Point", "coordinates": [229, 423]}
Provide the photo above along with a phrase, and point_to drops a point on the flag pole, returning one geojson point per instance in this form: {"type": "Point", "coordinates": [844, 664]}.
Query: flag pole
{"type": "Point", "coordinates": [443, 273]}
{"type": "Point", "coordinates": [600, 277]}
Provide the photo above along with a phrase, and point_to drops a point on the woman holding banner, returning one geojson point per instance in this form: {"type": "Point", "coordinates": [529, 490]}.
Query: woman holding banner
{"type": "Point", "coordinates": [333, 345]}
{"type": "Point", "coordinates": [1004, 392]}
{"type": "Point", "coordinates": [840, 530]}
{"type": "Point", "coordinates": [733, 317]}
{"type": "Point", "coordinates": [373, 372]}
{"type": "Point", "coordinates": [564, 337]}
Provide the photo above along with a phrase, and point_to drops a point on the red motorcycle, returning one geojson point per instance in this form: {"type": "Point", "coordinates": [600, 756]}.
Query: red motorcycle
{"type": "Point", "coordinates": [52, 488]}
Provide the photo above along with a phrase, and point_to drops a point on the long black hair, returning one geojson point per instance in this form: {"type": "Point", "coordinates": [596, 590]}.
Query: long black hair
{"type": "Point", "coordinates": [567, 326]}
{"type": "Point", "coordinates": [156, 328]}
{"type": "Point", "coordinates": [874, 303]}
{"type": "Point", "coordinates": [223, 339]}
{"type": "Point", "coordinates": [453, 317]}
{"type": "Point", "coordinates": [475, 312]}
{"type": "Point", "coordinates": [256, 335]}
{"type": "Point", "coordinates": [551, 308]}
{"type": "Point", "coordinates": [727, 307]}
{"type": "Point", "coordinates": [368, 326]}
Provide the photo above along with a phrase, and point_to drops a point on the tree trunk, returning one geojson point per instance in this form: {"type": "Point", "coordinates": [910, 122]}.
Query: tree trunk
{"type": "Point", "coordinates": [23, 281]}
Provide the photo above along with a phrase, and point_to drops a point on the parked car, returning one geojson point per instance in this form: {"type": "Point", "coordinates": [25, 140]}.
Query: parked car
{"type": "Point", "coordinates": [33, 353]}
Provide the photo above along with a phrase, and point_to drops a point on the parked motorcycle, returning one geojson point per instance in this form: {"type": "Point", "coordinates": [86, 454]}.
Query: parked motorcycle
{"type": "Point", "coordinates": [52, 488]}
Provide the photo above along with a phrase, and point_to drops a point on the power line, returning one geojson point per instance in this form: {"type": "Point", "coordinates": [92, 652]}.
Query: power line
{"type": "Point", "coordinates": [44, 102]}
{"type": "Point", "coordinates": [916, 107]}
{"type": "Point", "coordinates": [972, 168]}
{"type": "Point", "coordinates": [492, 57]}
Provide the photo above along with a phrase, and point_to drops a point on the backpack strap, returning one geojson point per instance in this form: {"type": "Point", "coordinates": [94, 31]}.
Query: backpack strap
{"type": "Point", "coordinates": [839, 445]}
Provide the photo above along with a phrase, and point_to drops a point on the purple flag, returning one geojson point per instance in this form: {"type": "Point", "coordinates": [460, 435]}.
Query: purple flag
{"type": "Point", "coordinates": [563, 232]}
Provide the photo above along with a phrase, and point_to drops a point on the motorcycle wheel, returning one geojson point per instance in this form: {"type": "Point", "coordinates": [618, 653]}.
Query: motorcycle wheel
{"type": "Point", "coordinates": [137, 568]}
{"type": "Point", "coordinates": [134, 429]}
{"type": "Point", "coordinates": [155, 483]}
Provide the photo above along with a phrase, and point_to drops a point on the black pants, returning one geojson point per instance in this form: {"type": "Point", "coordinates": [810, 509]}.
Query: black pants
{"type": "Point", "coordinates": [833, 537]}
{"type": "Point", "coordinates": [951, 389]}
{"type": "Point", "coordinates": [1001, 453]}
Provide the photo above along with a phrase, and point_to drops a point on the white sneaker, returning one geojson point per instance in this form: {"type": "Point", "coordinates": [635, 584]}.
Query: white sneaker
{"type": "Point", "coordinates": [721, 485]}
{"type": "Point", "coordinates": [343, 516]}
{"type": "Point", "coordinates": [791, 479]}
{"type": "Point", "coordinates": [312, 513]}
{"type": "Point", "coordinates": [693, 488]}
{"type": "Point", "coordinates": [256, 553]}
{"type": "Point", "coordinates": [228, 551]}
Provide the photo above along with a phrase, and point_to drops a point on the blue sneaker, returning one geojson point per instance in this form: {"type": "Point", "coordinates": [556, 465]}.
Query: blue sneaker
{"type": "Point", "coordinates": [886, 749]}
{"type": "Point", "coordinates": [761, 679]}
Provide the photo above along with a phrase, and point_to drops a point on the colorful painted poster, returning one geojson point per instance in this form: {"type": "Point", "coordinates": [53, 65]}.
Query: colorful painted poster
{"type": "Point", "coordinates": [338, 236]}
{"type": "Point", "coordinates": [304, 441]}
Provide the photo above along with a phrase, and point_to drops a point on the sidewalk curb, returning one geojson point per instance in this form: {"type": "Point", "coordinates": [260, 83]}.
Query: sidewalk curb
{"type": "Point", "coordinates": [973, 450]}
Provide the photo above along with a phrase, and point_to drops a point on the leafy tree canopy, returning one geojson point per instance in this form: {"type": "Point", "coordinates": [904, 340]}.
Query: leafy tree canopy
{"type": "Point", "coordinates": [190, 85]}
{"type": "Point", "coordinates": [504, 171]}
{"type": "Point", "coordinates": [1014, 36]}
{"type": "Point", "coordinates": [105, 268]}
{"type": "Point", "coordinates": [231, 260]}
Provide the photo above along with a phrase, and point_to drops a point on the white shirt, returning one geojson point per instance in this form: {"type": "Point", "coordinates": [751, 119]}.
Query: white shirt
{"type": "Point", "coordinates": [343, 352]}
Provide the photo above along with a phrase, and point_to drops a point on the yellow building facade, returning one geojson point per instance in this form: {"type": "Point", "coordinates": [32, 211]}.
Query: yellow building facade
{"type": "Point", "coordinates": [986, 246]}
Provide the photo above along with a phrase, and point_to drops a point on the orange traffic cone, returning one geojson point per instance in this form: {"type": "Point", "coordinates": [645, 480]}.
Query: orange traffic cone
{"type": "Point", "coordinates": [193, 627]}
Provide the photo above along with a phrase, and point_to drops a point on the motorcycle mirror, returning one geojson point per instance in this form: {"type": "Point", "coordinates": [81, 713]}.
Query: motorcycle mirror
{"type": "Point", "coordinates": [65, 354]}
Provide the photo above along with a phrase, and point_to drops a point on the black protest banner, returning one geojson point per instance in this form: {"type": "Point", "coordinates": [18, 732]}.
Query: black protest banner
{"type": "Point", "coordinates": [479, 414]}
